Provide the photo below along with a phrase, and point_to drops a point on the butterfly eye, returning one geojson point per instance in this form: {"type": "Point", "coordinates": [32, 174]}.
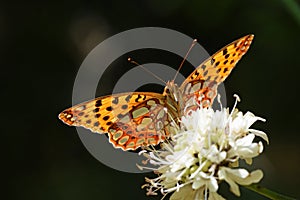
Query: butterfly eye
{"type": "Point", "coordinates": [166, 91]}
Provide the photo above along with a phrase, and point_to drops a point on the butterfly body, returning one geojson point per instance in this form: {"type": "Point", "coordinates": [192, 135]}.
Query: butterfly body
{"type": "Point", "coordinates": [140, 119]}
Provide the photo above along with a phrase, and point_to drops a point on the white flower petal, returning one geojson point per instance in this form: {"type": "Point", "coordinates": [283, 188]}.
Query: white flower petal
{"type": "Point", "coordinates": [237, 172]}
{"type": "Point", "coordinates": [245, 141]}
{"type": "Point", "coordinates": [242, 176]}
{"type": "Point", "coordinates": [261, 134]}
{"type": "Point", "coordinates": [250, 118]}
{"type": "Point", "coordinates": [213, 185]}
{"type": "Point", "coordinates": [248, 161]}
{"type": "Point", "coordinates": [253, 177]}
{"type": "Point", "coordinates": [214, 155]}
{"type": "Point", "coordinates": [187, 193]}
{"type": "Point", "coordinates": [215, 196]}
{"type": "Point", "coordinates": [223, 175]}
{"type": "Point", "coordinates": [248, 152]}
{"type": "Point", "coordinates": [198, 182]}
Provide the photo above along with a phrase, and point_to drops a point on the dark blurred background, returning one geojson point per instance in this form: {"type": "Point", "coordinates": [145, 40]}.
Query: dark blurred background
{"type": "Point", "coordinates": [43, 45]}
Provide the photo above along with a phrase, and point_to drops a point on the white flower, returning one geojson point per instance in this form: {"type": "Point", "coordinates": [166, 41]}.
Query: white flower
{"type": "Point", "coordinates": [239, 176]}
{"type": "Point", "coordinates": [205, 152]}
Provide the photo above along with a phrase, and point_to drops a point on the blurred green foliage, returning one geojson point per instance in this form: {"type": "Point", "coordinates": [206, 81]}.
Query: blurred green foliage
{"type": "Point", "coordinates": [42, 47]}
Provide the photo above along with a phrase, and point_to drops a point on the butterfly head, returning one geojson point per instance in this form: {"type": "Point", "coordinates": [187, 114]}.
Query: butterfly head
{"type": "Point", "coordinates": [172, 91]}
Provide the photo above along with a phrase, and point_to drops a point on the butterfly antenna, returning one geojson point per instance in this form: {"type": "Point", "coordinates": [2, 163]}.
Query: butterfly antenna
{"type": "Point", "coordinates": [147, 70]}
{"type": "Point", "coordinates": [186, 55]}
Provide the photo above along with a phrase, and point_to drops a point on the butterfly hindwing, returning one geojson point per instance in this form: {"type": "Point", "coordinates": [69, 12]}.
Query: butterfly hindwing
{"type": "Point", "coordinates": [130, 119]}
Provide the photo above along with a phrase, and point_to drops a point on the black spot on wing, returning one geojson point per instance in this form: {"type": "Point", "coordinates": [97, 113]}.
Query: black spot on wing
{"type": "Point", "coordinates": [108, 123]}
{"type": "Point", "coordinates": [124, 106]}
{"type": "Point", "coordinates": [98, 103]}
{"type": "Point", "coordinates": [105, 118]}
{"type": "Point", "coordinates": [116, 100]}
{"type": "Point", "coordinates": [109, 108]}
{"type": "Point", "coordinates": [212, 61]}
{"type": "Point", "coordinates": [127, 99]}
{"type": "Point", "coordinates": [96, 110]}
{"type": "Point", "coordinates": [120, 116]}
{"type": "Point", "coordinates": [138, 97]}
{"type": "Point", "coordinates": [81, 114]}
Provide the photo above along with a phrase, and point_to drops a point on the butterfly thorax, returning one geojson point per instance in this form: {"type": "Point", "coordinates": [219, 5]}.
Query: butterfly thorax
{"type": "Point", "coordinates": [174, 100]}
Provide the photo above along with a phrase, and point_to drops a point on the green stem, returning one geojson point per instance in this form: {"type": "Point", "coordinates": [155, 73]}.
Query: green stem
{"type": "Point", "coordinates": [293, 8]}
{"type": "Point", "coordinates": [267, 193]}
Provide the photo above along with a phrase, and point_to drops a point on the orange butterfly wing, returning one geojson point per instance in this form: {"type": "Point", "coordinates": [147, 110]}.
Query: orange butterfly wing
{"type": "Point", "coordinates": [203, 81]}
{"type": "Point", "coordinates": [130, 119]}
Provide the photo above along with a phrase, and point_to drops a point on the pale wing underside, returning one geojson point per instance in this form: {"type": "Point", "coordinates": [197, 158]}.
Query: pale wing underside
{"type": "Point", "coordinates": [130, 119]}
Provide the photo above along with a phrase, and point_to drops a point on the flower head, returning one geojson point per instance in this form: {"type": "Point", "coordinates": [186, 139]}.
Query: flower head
{"type": "Point", "coordinates": [205, 152]}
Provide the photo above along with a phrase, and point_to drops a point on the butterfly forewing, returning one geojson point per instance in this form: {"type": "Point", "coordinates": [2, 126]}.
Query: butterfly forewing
{"type": "Point", "coordinates": [203, 81]}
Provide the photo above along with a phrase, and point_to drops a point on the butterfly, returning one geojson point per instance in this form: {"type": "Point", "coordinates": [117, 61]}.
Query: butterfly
{"type": "Point", "coordinates": [137, 119]}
